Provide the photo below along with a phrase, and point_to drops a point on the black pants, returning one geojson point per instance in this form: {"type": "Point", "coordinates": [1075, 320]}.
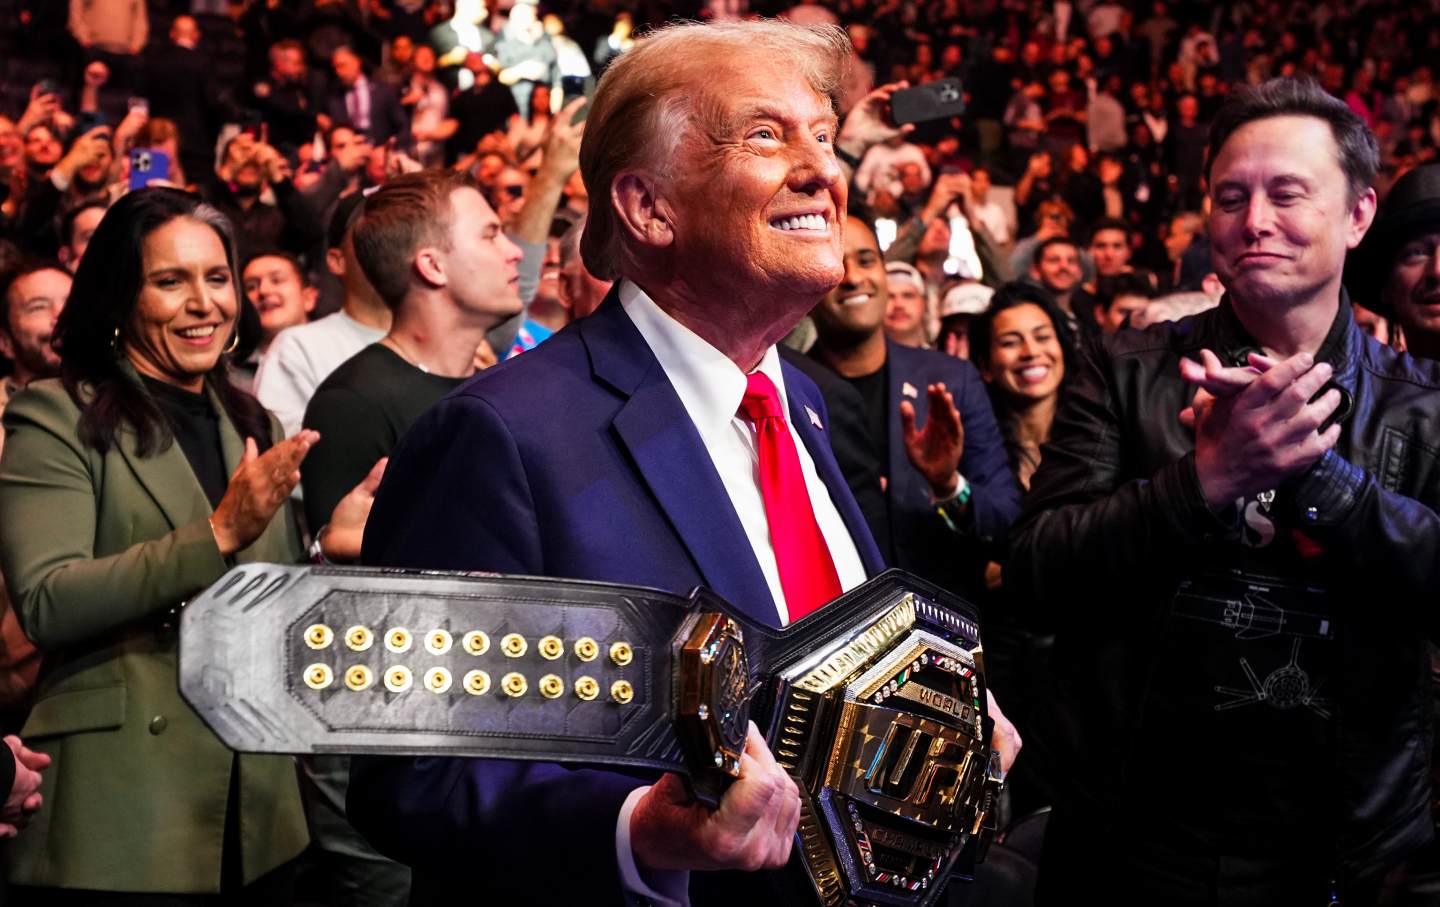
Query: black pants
{"type": "Point", "coordinates": [1131, 867]}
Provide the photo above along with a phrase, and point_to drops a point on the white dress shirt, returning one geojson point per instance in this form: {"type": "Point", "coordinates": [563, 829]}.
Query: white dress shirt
{"type": "Point", "coordinates": [710, 387]}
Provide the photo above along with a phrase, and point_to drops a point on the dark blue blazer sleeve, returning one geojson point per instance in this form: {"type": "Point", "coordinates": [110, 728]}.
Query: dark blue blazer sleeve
{"type": "Point", "coordinates": [995, 499]}
{"type": "Point", "coordinates": [455, 496]}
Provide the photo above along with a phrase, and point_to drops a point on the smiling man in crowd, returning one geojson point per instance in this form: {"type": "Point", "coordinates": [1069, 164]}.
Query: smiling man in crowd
{"type": "Point", "coordinates": [1397, 268]}
{"type": "Point", "coordinates": [1268, 559]}
{"type": "Point", "coordinates": [952, 467]}
{"type": "Point", "coordinates": [626, 448]}
{"type": "Point", "coordinates": [281, 292]}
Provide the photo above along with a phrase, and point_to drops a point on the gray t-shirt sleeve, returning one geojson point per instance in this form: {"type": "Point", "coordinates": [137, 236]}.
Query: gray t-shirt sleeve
{"type": "Point", "coordinates": [530, 264]}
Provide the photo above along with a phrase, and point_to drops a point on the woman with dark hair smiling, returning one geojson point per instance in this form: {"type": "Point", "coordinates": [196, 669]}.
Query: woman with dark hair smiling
{"type": "Point", "coordinates": [1023, 347]}
{"type": "Point", "coordinates": [127, 486]}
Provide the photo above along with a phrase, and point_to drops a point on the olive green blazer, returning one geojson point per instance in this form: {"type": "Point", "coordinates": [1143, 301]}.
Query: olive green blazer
{"type": "Point", "coordinates": [97, 551]}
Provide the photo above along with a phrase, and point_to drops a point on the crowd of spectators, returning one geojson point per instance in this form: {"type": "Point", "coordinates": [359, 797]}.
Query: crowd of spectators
{"type": "Point", "coordinates": [1067, 201]}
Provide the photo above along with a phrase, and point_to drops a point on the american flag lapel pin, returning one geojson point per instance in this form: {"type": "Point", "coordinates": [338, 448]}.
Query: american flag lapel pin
{"type": "Point", "coordinates": [814, 418]}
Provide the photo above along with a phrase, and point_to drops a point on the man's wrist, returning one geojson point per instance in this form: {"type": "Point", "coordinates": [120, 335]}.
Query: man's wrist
{"type": "Point", "coordinates": [1327, 492]}
{"type": "Point", "coordinates": [659, 886]}
{"type": "Point", "coordinates": [949, 488]}
{"type": "Point", "coordinates": [317, 547]}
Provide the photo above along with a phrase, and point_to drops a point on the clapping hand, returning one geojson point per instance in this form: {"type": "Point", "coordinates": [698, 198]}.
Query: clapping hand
{"type": "Point", "coordinates": [260, 486]}
{"type": "Point", "coordinates": [341, 537]}
{"type": "Point", "coordinates": [935, 450]}
{"type": "Point", "coordinates": [1259, 425]}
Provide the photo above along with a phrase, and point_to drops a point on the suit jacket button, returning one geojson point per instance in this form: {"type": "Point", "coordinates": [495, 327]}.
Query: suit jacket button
{"type": "Point", "coordinates": [158, 725]}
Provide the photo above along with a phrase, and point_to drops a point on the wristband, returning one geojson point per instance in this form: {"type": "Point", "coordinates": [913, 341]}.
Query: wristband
{"type": "Point", "coordinates": [954, 508]}
{"type": "Point", "coordinates": [317, 551]}
{"type": "Point", "coordinates": [847, 158]}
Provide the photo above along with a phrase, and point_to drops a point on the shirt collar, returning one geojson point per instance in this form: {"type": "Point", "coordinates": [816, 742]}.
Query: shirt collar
{"type": "Point", "coordinates": [709, 385]}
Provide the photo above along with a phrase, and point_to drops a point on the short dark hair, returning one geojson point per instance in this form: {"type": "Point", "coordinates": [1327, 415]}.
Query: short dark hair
{"type": "Point", "coordinates": [25, 268]}
{"type": "Point", "coordinates": [67, 220]}
{"type": "Point", "coordinates": [1109, 223]}
{"type": "Point", "coordinates": [294, 261]}
{"type": "Point", "coordinates": [327, 137]}
{"type": "Point", "coordinates": [406, 213]}
{"type": "Point", "coordinates": [1300, 96]}
{"type": "Point", "coordinates": [343, 219]}
{"type": "Point", "coordinates": [1129, 283]}
{"type": "Point", "coordinates": [1047, 243]}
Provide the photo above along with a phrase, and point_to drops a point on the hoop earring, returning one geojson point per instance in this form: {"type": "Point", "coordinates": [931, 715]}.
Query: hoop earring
{"type": "Point", "coordinates": [234, 341]}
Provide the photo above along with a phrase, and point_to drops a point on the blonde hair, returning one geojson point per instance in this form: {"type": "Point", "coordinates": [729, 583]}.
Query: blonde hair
{"type": "Point", "coordinates": [645, 105]}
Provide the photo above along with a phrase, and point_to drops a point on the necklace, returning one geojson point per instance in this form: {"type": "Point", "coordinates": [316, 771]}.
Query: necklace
{"type": "Point", "coordinates": [394, 343]}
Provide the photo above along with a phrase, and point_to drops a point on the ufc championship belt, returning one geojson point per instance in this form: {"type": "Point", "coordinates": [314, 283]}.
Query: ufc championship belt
{"type": "Point", "coordinates": [874, 704]}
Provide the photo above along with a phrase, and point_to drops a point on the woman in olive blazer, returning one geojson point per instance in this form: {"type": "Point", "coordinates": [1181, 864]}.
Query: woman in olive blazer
{"type": "Point", "coordinates": [106, 529]}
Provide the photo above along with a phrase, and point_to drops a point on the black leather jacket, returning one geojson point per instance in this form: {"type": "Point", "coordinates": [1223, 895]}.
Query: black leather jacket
{"type": "Point", "coordinates": [1115, 515]}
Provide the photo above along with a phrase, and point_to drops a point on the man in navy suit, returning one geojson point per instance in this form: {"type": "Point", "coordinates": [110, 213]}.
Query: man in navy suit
{"type": "Point", "coordinates": [630, 448]}
{"type": "Point", "coordinates": [945, 484]}
{"type": "Point", "coordinates": [373, 108]}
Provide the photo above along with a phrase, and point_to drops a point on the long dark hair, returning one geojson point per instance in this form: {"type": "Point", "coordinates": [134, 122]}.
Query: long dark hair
{"type": "Point", "coordinates": [102, 300]}
{"type": "Point", "coordinates": [1018, 293]}
{"type": "Point", "coordinates": [1013, 294]}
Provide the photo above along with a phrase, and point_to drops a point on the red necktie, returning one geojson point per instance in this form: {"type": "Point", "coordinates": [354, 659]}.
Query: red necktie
{"type": "Point", "coordinates": [807, 574]}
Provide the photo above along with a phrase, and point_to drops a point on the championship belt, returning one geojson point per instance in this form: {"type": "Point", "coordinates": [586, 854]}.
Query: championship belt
{"type": "Point", "coordinates": [875, 703]}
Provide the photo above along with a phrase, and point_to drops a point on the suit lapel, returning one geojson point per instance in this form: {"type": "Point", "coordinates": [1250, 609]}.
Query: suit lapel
{"type": "Point", "coordinates": [905, 383]}
{"type": "Point", "coordinates": [802, 405]}
{"type": "Point", "coordinates": [673, 462]}
{"type": "Point", "coordinates": [167, 475]}
{"type": "Point", "coordinates": [168, 479]}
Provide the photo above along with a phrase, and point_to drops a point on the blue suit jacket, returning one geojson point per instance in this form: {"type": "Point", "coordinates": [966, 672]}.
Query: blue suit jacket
{"type": "Point", "coordinates": [922, 543]}
{"type": "Point", "coordinates": [576, 459]}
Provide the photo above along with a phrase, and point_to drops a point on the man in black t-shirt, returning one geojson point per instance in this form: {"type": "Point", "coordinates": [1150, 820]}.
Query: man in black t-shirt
{"type": "Point", "coordinates": [416, 239]}
{"type": "Point", "coordinates": [434, 251]}
{"type": "Point", "coordinates": [952, 470]}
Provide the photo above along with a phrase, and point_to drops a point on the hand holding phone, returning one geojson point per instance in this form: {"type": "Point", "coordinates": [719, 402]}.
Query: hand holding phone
{"type": "Point", "coordinates": [932, 101]}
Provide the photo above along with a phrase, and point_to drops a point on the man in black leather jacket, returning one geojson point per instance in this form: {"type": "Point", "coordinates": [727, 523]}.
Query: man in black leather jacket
{"type": "Point", "coordinates": [1234, 532]}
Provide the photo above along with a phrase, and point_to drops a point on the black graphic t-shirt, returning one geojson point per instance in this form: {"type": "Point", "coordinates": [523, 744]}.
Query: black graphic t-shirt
{"type": "Point", "coordinates": [1239, 721]}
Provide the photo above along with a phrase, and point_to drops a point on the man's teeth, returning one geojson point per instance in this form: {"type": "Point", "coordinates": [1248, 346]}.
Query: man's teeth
{"type": "Point", "coordinates": [857, 299]}
{"type": "Point", "coordinates": [197, 333]}
{"type": "Point", "coordinates": [801, 222]}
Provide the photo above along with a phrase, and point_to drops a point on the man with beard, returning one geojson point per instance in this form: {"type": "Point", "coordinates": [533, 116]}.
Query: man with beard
{"type": "Point", "coordinates": [949, 477]}
{"type": "Point", "coordinates": [32, 298]}
{"type": "Point", "coordinates": [1057, 268]}
{"type": "Point", "coordinates": [248, 169]}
